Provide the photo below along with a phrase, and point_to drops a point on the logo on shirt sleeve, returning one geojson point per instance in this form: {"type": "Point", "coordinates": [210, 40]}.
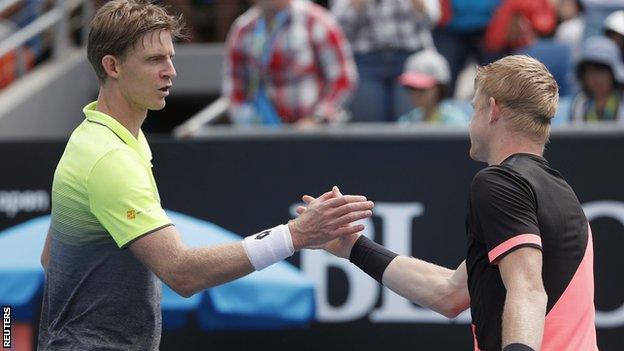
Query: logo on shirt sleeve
{"type": "Point", "coordinates": [132, 214]}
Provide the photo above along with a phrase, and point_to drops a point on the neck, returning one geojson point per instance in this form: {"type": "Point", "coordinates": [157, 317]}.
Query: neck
{"type": "Point", "coordinates": [112, 103]}
{"type": "Point", "coordinates": [507, 145]}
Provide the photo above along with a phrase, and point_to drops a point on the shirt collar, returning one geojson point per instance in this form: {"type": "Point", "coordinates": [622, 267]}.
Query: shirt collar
{"type": "Point", "coordinates": [139, 145]}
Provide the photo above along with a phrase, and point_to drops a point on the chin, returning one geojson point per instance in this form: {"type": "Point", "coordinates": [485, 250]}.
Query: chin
{"type": "Point", "coordinates": [479, 157]}
{"type": "Point", "coordinates": [474, 154]}
{"type": "Point", "coordinates": [158, 106]}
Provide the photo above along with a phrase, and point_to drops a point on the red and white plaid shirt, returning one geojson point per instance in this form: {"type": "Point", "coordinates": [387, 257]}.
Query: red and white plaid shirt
{"type": "Point", "coordinates": [308, 70]}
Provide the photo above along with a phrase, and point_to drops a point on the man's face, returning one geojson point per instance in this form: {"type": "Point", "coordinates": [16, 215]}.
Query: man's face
{"type": "Point", "coordinates": [146, 71]}
{"type": "Point", "coordinates": [479, 128]}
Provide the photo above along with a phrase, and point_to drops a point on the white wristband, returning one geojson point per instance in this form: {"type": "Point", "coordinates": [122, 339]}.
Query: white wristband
{"type": "Point", "coordinates": [269, 246]}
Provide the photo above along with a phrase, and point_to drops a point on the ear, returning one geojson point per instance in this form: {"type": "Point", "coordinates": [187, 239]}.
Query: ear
{"type": "Point", "coordinates": [495, 110]}
{"type": "Point", "coordinates": [111, 66]}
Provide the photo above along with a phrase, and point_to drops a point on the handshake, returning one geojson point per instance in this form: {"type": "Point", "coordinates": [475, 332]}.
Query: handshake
{"type": "Point", "coordinates": [326, 222]}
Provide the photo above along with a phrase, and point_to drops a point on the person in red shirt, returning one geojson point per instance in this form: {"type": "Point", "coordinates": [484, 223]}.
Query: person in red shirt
{"type": "Point", "coordinates": [287, 61]}
{"type": "Point", "coordinates": [516, 23]}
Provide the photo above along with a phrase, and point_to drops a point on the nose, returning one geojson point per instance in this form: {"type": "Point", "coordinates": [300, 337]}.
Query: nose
{"type": "Point", "coordinates": [169, 72]}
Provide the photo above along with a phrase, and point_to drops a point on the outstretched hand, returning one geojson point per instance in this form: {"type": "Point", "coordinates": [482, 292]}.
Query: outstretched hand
{"type": "Point", "coordinates": [327, 218]}
{"type": "Point", "coordinates": [340, 246]}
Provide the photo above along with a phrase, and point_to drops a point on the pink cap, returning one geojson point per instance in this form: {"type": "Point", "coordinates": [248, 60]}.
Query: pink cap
{"type": "Point", "coordinates": [417, 80]}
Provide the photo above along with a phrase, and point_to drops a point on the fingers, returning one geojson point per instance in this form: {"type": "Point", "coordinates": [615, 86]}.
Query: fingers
{"type": "Point", "coordinates": [347, 230]}
{"type": "Point", "coordinates": [307, 199]}
{"type": "Point", "coordinates": [300, 209]}
{"type": "Point", "coordinates": [351, 217]}
{"type": "Point", "coordinates": [343, 200]}
{"type": "Point", "coordinates": [353, 207]}
{"type": "Point", "coordinates": [328, 195]}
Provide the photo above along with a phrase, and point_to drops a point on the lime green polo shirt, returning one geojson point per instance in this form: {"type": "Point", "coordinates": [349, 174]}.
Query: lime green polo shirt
{"type": "Point", "coordinates": [103, 186]}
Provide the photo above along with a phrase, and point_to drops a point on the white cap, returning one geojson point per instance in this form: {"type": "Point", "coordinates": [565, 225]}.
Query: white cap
{"type": "Point", "coordinates": [425, 69]}
{"type": "Point", "coordinates": [615, 22]}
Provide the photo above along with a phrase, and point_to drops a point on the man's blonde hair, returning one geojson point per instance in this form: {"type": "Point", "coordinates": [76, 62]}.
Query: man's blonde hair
{"type": "Point", "coordinates": [119, 24]}
{"type": "Point", "coordinates": [526, 89]}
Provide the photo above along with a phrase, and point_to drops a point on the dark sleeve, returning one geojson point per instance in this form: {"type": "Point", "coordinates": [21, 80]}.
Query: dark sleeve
{"type": "Point", "coordinates": [506, 208]}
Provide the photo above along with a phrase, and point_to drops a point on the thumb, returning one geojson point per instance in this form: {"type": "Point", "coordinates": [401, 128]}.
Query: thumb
{"type": "Point", "coordinates": [336, 191]}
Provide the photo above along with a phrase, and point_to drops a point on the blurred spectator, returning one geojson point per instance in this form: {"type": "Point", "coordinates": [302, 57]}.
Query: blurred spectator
{"type": "Point", "coordinates": [568, 9]}
{"type": "Point", "coordinates": [596, 11]}
{"type": "Point", "coordinates": [572, 24]}
{"type": "Point", "coordinates": [461, 33]}
{"type": "Point", "coordinates": [8, 66]}
{"type": "Point", "coordinates": [601, 73]}
{"type": "Point", "coordinates": [287, 61]}
{"type": "Point", "coordinates": [426, 76]}
{"type": "Point", "coordinates": [383, 33]}
{"type": "Point", "coordinates": [614, 29]}
{"type": "Point", "coordinates": [517, 23]}
{"type": "Point", "coordinates": [27, 11]}
{"type": "Point", "coordinates": [17, 62]}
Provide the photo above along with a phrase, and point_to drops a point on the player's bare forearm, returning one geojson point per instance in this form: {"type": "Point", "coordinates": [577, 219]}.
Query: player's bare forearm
{"type": "Point", "coordinates": [202, 268]}
{"type": "Point", "coordinates": [189, 270]}
{"type": "Point", "coordinates": [523, 318]}
{"type": "Point", "coordinates": [526, 300]}
{"type": "Point", "coordinates": [440, 289]}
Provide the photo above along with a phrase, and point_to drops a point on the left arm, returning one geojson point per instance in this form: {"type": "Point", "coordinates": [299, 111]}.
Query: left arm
{"type": "Point", "coordinates": [525, 303]}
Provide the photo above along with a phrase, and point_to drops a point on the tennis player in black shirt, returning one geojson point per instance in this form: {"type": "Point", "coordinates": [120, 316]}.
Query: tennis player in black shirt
{"type": "Point", "coordinates": [528, 273]}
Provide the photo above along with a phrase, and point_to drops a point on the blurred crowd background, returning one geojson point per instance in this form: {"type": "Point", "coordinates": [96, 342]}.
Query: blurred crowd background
{"type": "Point", "coordinates": [306, 63]}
